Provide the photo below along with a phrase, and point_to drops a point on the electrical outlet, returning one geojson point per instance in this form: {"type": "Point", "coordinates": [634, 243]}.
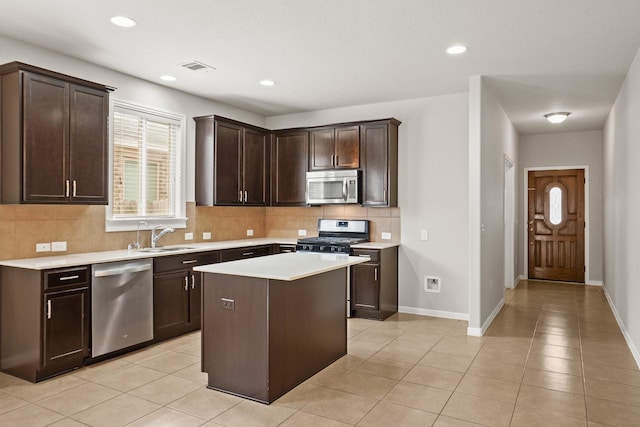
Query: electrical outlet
{"type": "Point", "coordinates": [188, 236]}
{"type": "Point", "coordinates": [58, 246]}
{"type": "Point", "coordinates": [385, 236]}
{"type": "Point", "coordinates": [424, 235]}
{"type": "Point", "coordinates": [228, 304]}
{"type": "Point", "coordinates": [302, 233]}
{"type": "Point", "coordinates": [250, 232]}
{"type": "Point", "coordinates": [43, 247]}
{"type": "Point", "coordinates": [206, 235]}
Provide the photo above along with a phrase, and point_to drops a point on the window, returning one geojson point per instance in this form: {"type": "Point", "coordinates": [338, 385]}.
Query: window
{"type": "Point", "coordinates": [555, 205]}
{"type": "Point", "coordinates": [147, 181]}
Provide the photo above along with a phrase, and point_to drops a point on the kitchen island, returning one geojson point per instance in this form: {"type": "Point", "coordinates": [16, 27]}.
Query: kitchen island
{"type": "Point", "coordinates": [270, 323]}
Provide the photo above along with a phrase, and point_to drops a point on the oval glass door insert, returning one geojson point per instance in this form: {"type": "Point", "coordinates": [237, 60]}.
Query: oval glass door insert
{"type": "Point", "coordinates": [555, 205]}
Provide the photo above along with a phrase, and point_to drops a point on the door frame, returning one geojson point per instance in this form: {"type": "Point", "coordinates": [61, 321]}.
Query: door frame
{"type": "Point", "coordinates": [525, 234]}
{"type": "Point", "coordinates": [509, 221]}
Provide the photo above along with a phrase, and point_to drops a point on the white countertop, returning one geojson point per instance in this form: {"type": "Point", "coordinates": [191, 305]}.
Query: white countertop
{"type": "Point", "coordinates": [72, 260]}
{"type": "Point", "coordinates": [287, 266]}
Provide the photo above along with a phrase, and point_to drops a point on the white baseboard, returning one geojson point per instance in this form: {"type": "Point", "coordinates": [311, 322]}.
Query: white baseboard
{"type": "Point", "coordinates": [434, 313]}
{"type": "Point", "coordinates": [478, 332]}
{"type": "Point", "coordinates": [594, 283]}
{"type": "Point", "coordinates": [625, 333]}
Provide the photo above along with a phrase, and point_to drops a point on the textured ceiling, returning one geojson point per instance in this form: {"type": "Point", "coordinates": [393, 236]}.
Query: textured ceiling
{"type": "Point", "coordinates": [539, 55]}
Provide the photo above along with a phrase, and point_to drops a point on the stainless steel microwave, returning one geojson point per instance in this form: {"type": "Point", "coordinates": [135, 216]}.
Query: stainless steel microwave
{"type": "Point", "coordinates": [333, 187]}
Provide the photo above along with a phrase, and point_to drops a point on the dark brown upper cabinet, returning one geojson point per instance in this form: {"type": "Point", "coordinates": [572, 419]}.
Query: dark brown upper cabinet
{"type": "Point", "coordinates": [232, 163]}
{"type": "Point", "coordinates": [379, 153]}
{"type": "Point", "coordinates": [54, 137]}
{"type": "Point", "coordinates": [334, 148]}
{"type": "Point", "coordinates": [289, 167]}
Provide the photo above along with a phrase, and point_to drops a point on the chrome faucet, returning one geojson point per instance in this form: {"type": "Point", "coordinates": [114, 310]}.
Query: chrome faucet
{"type": "Point", "coordinates": [155, 237]}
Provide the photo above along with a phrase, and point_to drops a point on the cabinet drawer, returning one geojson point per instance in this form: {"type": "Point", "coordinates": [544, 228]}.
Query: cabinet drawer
{"type": "Point", "coordinates": [66, 277]}
{"type": "Point", "coordinates": [374, 254]}
{"type": "Point", "coordinates": [246, 252]}
{"type": "Point", "coordinates": [179, 262]}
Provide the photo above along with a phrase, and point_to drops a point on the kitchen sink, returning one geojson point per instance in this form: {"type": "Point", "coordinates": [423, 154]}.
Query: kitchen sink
{"type": "Point", "coordinates": [162, 249]}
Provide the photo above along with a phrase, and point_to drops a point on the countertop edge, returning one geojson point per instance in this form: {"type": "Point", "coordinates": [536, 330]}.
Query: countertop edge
{"type": "Point", "coordinates": [87, 258]}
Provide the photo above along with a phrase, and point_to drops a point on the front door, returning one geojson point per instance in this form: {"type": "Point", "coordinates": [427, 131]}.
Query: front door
{"type": "Point", "coordinates": [556, 225]}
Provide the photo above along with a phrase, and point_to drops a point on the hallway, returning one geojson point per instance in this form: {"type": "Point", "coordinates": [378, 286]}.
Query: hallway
{"type": "Point", "coordinates": [554, 356]}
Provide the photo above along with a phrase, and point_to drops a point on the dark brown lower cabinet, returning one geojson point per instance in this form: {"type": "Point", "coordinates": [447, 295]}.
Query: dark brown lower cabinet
{"type": "Point", "coordinates": [177, 291]}
{"type": "Point", "coordinates": [45, 318]}
{"type": "Point", "coordinates": [374, 284]}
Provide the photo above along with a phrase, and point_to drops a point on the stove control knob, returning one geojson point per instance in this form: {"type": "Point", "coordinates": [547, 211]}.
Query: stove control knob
{"type": "Point", "coordinates": [321, 248]}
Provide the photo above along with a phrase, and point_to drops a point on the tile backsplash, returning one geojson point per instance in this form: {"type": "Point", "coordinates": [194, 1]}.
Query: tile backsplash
{"type": "Point", "coordinates": [83, 227]}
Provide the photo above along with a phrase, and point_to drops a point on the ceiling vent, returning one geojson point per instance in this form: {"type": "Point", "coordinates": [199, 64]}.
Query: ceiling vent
{"type": "Point", "coordinates": [197, 66]}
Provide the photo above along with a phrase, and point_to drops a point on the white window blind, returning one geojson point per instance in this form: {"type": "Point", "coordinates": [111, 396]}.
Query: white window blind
{"type": "Point", "coordinates": [147, 171]}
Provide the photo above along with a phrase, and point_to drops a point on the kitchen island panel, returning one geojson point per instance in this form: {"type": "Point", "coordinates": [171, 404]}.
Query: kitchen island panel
{"type": "Point", "coordinates": [235, 341]}
{"type": "Point", "coordinates": [278, 333]}
{"type": "Point", "coordinates": [307, 328]}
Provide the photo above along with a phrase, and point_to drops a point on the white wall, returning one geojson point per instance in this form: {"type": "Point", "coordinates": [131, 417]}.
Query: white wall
{"type": "Point", "coordinates": [622, 207]}
{"type": "Point", "coordinates": [433, 194]}
{"type": "Point", "coordinates": [492, 137]}
{"type": "Point", "coordinates": [567, 149]}
{"type": "Point", "coordinates": [130, 89]}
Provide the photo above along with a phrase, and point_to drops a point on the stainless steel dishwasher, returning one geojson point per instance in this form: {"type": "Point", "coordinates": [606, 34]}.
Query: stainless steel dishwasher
{"type": "Point", "coordinates": [121, 305]}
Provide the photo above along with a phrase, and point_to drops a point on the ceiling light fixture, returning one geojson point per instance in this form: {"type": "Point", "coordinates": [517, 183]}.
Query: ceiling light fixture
{"type": "Point", "coordinates": [557, 117]}
{"type": "Point", "coordinates": [456, 49]}
{"type": "Point", "coordinates": [267, 82]}
{"type": "Point", "coordinates": [168, 78]}
{"type": "Point", "coordinates": [123, 21]}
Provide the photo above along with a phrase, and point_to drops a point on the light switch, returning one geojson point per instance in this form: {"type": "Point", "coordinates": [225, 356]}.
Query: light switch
{"type": "Point", "coordinates": [386, 236]}
{"type": "Point", "coordinates": [250, 232]}
{"type": "Point", "coordinates": [206, 235]}
{"type": "Point", "coordinates": [424, 235]}
{"type": "Point", "coordinates": [302, 233]}
{"type": "Point", "coordinates": [188, 236]}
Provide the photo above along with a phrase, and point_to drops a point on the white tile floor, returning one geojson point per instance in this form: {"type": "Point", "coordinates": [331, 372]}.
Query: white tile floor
{"type": "Point", "coordinates": [553, 357]}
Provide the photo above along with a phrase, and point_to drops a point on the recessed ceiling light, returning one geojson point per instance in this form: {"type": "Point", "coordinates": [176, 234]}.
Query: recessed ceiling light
{"type": "Point", "coordinates": [557, 117]}
{"type": "Point", "coordinates": [123, 21]}
{"type": "Point", "coordinates": [267, 82]}
{"type": "Point", "coordinates": [456, 49]}
{"type": "Point", "coordinates": [168, 78]}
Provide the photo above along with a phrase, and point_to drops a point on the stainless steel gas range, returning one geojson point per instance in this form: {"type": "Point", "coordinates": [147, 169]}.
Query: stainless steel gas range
{"type": "Point", "coordinates": [336, 236]}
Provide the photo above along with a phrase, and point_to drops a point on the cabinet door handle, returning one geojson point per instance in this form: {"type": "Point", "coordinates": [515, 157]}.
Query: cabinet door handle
{"type": "Point", "coordinates": [66, 191]}
{"type": "Point", "coordinates": [335, 160]}
{"type": "Point", "coordinates": [69, 277]}
{"type": "Point", "coordinates": [186, 283]}
{"type": "Point", "coordinates": [240, 196]}
{"type": "Point", "coordinates": [48, 309]}
{"type": "Point", "coordinates": [375, 274]}
{"type": "Point", "coordinates": [190, 261]}
{"type": "Point", "coordinates": [74, 188]}
{"type": "Point", "coordinates": [245, 196]}
{"type": "Point", "coordinates": [247, 253]}
{"type": "Point", "coordinates": [193, 281]}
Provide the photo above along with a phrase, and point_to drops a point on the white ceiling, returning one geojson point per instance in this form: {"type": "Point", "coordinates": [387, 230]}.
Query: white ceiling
{"type": "Point", "coordinates": [539, 55]}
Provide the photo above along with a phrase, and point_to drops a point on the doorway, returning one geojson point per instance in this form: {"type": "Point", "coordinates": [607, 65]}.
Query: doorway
{"type": "Point", "coordinates": [556, 225]}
